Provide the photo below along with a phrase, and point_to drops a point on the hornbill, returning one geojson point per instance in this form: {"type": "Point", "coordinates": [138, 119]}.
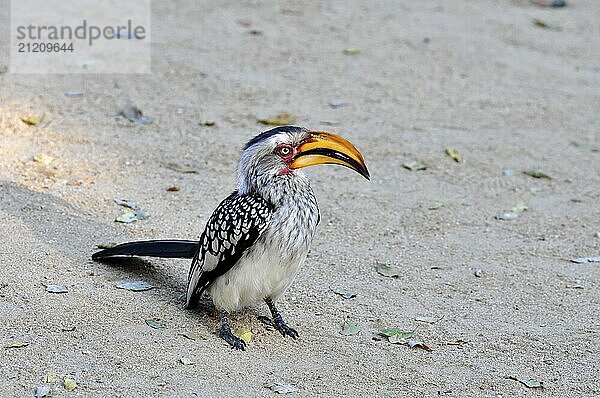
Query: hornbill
{"type": "Point", "coordinates": [258, 237]}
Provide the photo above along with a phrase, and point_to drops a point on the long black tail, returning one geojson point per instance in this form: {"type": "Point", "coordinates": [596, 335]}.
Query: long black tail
{"type": "Point", "coordinates": [152, 248]}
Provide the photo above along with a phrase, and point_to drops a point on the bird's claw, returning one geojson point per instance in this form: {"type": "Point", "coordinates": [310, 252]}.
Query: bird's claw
{"type": "Point", "coordinates": [285, 330]}
{"type": "Point", "coordinates": [278, 322]}
{"type": "Point", "coordinates": [234, 342]}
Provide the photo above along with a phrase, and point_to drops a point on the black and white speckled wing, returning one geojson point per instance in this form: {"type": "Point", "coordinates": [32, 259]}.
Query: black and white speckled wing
{"type": "Point", "coordinates": [234, 226]}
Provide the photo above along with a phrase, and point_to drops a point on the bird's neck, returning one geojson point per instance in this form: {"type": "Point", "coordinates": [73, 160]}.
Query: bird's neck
{"type": "Point", "coordinates": [275, 190]}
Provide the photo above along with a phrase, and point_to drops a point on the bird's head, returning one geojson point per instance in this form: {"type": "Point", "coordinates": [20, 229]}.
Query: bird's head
{"type": "Point", "coordinates": [275, 155]}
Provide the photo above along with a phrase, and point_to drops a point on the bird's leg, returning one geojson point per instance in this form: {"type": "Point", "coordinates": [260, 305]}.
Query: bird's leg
{"type": "Point", "coordinates": [278, 321]}
{"type": "Point", "coordinates": [226, 334]}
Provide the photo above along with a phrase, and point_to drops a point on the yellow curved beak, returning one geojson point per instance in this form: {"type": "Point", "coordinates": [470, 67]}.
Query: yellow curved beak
{"type": "Point", "coordinates": [327, 148]}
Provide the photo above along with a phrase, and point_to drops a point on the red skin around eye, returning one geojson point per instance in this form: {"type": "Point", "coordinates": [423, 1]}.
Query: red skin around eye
{"type": "Point", "coordinates": [290, 156]}
{"type": "Point", "coordinates": [287, 158]}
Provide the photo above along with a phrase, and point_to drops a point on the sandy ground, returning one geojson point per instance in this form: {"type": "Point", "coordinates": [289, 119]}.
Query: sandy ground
{"type": "Point", "coordinates": [477, 76]}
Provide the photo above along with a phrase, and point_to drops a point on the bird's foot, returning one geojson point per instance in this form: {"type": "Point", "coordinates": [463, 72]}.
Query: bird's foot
{"type": "Point", "coordinates": [234, 342]}
{"type": "Point", "coordinates": [279, 323]}
{"type": "Point", "coordinates": [285, 330]}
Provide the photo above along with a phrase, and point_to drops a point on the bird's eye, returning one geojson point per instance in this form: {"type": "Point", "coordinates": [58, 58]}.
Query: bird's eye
{"type": "Point", "coordinates": [284, 151]}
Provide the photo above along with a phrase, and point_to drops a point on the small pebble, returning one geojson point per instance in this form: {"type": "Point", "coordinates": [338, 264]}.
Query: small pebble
{"type": "Point", "coordinates": [73, 94]}
{"type": "Point", "coordinates": [56, 289]}
{"type": "Point", "coordinates": [478, 273]}
{"type": "Point", "coordinates": [506, 215]}
{"type": "Point", "coordinates": [186, 361]}
{"type": "Point", "coordinates": [550, 3]}
{"type": "Point", "coordinates": [43, 391]}
{"type": "Point", "coordinates": [336, 103]}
